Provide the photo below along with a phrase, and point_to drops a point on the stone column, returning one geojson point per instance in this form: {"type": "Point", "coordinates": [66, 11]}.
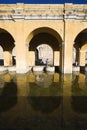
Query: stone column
{"type": "Point", "coordinates": [22, 94]}
{"type": "Point", "coordinates": [68, 47]}
{"type": "Point", "coordinates": [62, 57]}
{"type": "Point", "coordinates": [7, 58]}
{"type": "Point", "coordinates": [74, 55]}
{"type": "Point", "coordinates": [82, 58]}
{"type": "Point", "coordinates": [56, 58]}
{"type": "Point", "coordinates": [31, 58]}
{"type": "Point", "coordinates": [68, 58]}
{"type": "Point", "coordinates": [20, 48]}
{"type": "Point", "coordinates": [21, 59]}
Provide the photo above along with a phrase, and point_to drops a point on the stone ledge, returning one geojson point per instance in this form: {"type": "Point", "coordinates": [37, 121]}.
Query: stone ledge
{"type": "Point", "coordinates": [23, 71]}
{"type": "Point", "coordinates": [76, 68]}
{"type": "Point", "coordinates": [38, 68]}
{"type": "Point", "coordinates": [86, 69]}
{"type": "Point", "coordinates": [50, 69]}
{"type": "Point", "coordinates": [3, 69]}
{"type": "Point", "coordinates": [12, 68]}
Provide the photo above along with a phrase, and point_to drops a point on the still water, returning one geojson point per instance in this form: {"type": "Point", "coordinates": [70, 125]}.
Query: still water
{"type": "Point", "coordinates": [43, 101]}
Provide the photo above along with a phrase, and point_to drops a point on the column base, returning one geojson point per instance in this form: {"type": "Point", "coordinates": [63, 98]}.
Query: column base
{"type": "Point", "coordinates": [23, 71]}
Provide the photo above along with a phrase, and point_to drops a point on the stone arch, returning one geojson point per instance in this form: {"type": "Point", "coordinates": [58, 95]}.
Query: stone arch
{"type": "Point", "coordinates": [13, 56]}
{"type": "Point", "coordinates": [83, 55]}
{"type": "Point", "coordinates": [81, 38]}
{"type": "Point", "coordinates": [7, 42]}
{"type": "Point", "coordinates": [44, 52]}
{"type": "Point", "coordinates": [1, 56]}
{"type": "Point", "coordinates": [80, 43]}
{"type": "Point", "coordinates": [45, 35]}
{"type": "Point", "coordinates": [41, 30]}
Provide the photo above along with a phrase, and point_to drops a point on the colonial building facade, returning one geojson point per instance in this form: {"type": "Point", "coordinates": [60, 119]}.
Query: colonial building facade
{"type": "Point", "coordinates": [28, 30]}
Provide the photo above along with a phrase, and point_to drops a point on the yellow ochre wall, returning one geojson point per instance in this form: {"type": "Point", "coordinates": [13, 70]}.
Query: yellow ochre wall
{"type": "Point", "coordinates": [24, 21]}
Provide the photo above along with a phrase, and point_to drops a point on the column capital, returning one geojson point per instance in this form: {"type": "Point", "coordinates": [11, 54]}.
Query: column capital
{"type": "Point", "coordinates": [27, 44]}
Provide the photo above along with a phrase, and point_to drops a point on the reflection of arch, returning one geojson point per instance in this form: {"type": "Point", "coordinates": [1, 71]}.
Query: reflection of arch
{"type": "Point", "coordinates": [45, 35]}
{"type": "Point", "coordinates": [79, 100]}
{"type": "Point", "coordinates": [79, 42]}
{"type": "Point", "coordinates": [45, 104]}
{"type": "Point", "coordinates": [2, 83]}
{"type": "Point", "coordinates": [79, 104]}
{"type": "Point", "coordinates": [43, 79]}
{"type": "Point", "coordinates": [8, 97]}
{"type": "Point", "coordinates": [7, 43]}
{"type": "Point", "coordinates": [46, 99]}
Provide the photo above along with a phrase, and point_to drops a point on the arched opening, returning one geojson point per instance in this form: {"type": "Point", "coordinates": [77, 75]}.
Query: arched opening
{"type": "Point", "coordinates": [7, 44]}
{"type": "Point", "coordinates": [83, 55]}
{"type": "Point", "coordinates": [48, 43]}
{"type": "Point", "coordinates": [80, 47]}
{"type": "Point", "coordinates": [1, 57]}
{"type": "Point", "coordinates": [44, 52]}
{"type": "Point", "coordinates": [13, 56]}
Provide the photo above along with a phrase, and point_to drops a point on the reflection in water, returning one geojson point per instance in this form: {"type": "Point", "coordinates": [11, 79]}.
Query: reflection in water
{"type": "Point", "coordinates": [44, 94]}
{"type": "Point", "coordinates": [8, 97]}
{"type": "Point", "coordinates": [75, 85]}
{"type": "Point", "coordinates": [79, 95]}
{"type": "Point", "coordinates": [53, 90]}
{"type": "Point", "coordinates": [43, 79]}
{"type": "Point", "coordinates": [45, 104]}
{"type": "Point", "coordinates": [45, 85]}
{"type": "Point", "coordinates": [79, 104]}
{"type": "Point", "coordinates": [47, 101]}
